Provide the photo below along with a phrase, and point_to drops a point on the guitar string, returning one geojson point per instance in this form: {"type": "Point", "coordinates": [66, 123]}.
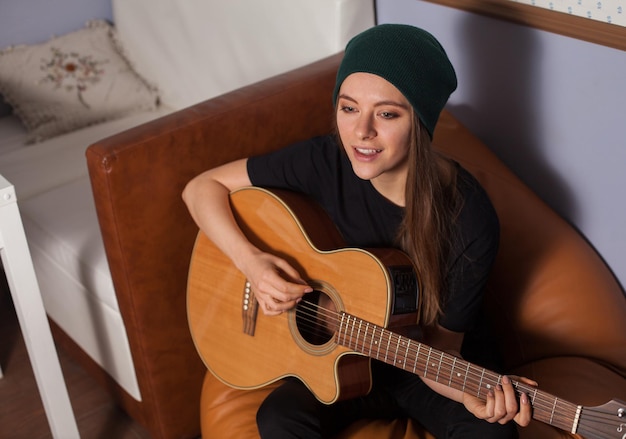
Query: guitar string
{"type": "Point", "coordinates": [600, 427]}
{"type": "Point", "coordinates": [550, 404]}
{"type": "Point", "coordinates": [559, 415]}
{"type": "Point", "coordinates": [599, 431]}
{"type": "Point", "coordinates": [598, 415]}
{"type": "Point", "coordinates": [561, 412]}
{"type": "Point", "coordinates": [314, 321]}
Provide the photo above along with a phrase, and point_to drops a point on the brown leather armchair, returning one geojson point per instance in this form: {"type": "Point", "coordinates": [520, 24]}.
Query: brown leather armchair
{"type": "Point", "coordinates": [559, 312]}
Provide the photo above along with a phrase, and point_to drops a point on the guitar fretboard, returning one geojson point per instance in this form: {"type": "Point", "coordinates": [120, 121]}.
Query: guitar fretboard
{"type": "Point", "coordinates": [405, 353]}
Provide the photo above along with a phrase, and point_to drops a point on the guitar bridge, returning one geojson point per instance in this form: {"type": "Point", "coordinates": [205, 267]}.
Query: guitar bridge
{"type": "Point", "coordinates": [249, 309]}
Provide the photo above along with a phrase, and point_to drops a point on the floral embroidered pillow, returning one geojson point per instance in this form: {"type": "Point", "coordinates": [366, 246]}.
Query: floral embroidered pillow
{"type": "Point", "coordinates": [72, 81]}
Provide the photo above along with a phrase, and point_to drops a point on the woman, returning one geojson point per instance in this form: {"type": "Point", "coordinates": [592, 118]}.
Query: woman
{"type": "Point", "coordinates": [383, 185]}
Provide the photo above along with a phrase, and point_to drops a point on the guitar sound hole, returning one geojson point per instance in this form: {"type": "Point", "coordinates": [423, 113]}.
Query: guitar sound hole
{"type": "Point", "coordinates": [316, 318]}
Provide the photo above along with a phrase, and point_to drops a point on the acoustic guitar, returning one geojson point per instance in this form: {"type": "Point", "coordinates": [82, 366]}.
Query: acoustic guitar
{"type": "Point", "coordinates": [362, 301]}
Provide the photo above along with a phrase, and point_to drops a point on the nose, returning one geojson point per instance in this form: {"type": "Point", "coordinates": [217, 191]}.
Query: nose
{"type": "Point", "coordinates": [364, 128]}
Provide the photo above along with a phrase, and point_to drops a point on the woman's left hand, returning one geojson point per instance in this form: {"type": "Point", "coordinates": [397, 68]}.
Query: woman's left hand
{"type": "Point", "coordinates": [502, 404]}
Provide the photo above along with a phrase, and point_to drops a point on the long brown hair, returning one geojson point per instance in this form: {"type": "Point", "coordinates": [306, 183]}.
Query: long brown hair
{"type": "Point", "coordinates": [431, 205]}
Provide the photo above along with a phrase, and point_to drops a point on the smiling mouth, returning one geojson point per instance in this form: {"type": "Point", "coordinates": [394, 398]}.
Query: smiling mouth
{"type": "Point", "coordinates": [367, 151]}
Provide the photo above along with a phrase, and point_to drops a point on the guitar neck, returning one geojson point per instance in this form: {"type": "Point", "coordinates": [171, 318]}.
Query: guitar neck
{"type": "Point", "coordinates": [405, 353]}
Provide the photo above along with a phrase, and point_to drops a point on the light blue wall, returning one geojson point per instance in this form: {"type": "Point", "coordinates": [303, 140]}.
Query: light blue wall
{"type": "Point", "coordinates": [553, 108]}
{"type": "Point", "coordinates": [35, 21]}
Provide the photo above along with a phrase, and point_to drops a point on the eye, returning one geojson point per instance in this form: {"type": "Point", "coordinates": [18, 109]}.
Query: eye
{"type": "Point", "coordinates": [347, 109]}
{"type": "Point", "coordinates": [388, 115]}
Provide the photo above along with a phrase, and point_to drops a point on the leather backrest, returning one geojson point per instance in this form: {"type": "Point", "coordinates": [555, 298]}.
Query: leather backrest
{"type": "Point", "coordinates": [550, 293]}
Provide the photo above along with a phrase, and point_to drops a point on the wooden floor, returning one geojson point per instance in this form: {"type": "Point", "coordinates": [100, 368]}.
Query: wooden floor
{"type": "Point", "coordinates": [21, 411]}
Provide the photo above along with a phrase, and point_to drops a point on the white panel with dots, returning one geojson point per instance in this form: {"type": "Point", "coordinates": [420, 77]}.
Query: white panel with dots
{"type": "Point", "coordinates": [607, 11]}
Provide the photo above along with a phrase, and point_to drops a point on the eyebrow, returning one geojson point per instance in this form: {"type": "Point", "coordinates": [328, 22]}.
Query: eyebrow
{"type": "Point", "coordinates": [378, 104]}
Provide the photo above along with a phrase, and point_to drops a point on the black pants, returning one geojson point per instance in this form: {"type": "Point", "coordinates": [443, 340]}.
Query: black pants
{"type": "Point", "coordinates": [292, 411]}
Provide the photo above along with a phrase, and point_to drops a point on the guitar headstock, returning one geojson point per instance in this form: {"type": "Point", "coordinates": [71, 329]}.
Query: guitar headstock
{"type": "Point", "coordinates": [604, 421]}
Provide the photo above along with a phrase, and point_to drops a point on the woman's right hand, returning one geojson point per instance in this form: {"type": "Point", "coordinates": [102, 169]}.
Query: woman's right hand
{"type": "Point", "coordinates": [276, 285]}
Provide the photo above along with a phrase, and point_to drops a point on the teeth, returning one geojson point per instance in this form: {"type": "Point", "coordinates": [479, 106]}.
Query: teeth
{"type": "Point", "coordinates": [368, 151]}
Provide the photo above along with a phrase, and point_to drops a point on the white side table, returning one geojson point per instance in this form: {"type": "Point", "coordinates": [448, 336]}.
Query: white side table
{"type": "Point", "coordinates": [31, 314]}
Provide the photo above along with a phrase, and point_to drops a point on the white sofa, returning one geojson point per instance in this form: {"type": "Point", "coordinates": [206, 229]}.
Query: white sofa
{"type": "Point", "coordinates": [191, 51]}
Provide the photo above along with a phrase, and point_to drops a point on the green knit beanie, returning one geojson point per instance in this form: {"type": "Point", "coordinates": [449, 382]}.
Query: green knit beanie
{"type": "Point", "coordinates": [409, 58]}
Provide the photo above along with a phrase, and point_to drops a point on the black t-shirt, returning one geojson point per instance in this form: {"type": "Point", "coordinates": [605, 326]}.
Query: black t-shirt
{"type": "Point", "coordinates": [319, 168]}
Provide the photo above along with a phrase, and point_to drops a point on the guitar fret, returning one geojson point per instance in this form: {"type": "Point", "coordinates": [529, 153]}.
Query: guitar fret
{"type": "Point", "coordinates": [452, 372]}
{"type": "Point", "coordinates": [346, 322]}
{"type": "Point", "coordinates": [341, 329]}
{"type": "Point", "coordinates": [406, 353]}
{"type": "Point", "coordinates": [439, 368]}
{"type": "Point", "coordinates": [358, 333]}
{"type": "Point", "coordinates": [430, 351]}
{"type": "Point", "coordinates": [398, 340]}
{"type": "Point", "coordinates": [378, 343]}
{"type": "Point", "coordinates": [417, 356]}
{"type": "Point", "coordinates": [371, 340]}
{"type": "Point", "coordinates": [387, 350]}
{"type": "Point", "coordinates": [465, 379]}
{"type": "Point", "coordinates": [346, 335]}
{"type": "Point", "coordinates": [553, 407]}
{"type": "Point", "coordinates": [352, 330]}
{"type": "Point", "coordinates": [367, 327]}
{"type": "Point", "coordinates": [480, 385]}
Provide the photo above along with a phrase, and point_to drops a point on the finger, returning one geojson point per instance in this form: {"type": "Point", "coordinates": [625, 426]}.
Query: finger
{"type": "Point", "coordinates": [524, 416]}
{"type": "Point", "coordinates": [276, 289]}
{"type": "Point", "coordinates": [276, 302]}
{"type": "Point", "coordinates": [523, 380]}
{"type": "Point", "coordinates": [528, 381]}
{"type": "Point", "coordinates": [510, 406]}
{"type": "Point", "coordinates": [282, 290]}
{"type": "Point", "coordinates": [271, 308]}
{"type": "Point", "coordinates": [499, 406]}
{"type": "Point", "coordinates": [290, 272]}
{"type": "Point", "coordinates": [264, 300]}
{"type": "Point", "coordinates": [490, 404]}
{"type": "Point", "coordinates": [282, 306]}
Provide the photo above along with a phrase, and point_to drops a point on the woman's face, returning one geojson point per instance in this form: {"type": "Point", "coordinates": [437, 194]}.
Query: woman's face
{"type": "Point", "coordinates": [374, 122]}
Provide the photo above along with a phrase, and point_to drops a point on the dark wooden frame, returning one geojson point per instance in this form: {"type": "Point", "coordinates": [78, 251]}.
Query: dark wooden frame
{"type": "Point", "coordinates": [586, 29]}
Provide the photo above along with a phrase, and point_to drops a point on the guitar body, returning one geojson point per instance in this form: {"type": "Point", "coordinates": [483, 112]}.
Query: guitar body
{"type": "Point", "coordinates": [246, 349]}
